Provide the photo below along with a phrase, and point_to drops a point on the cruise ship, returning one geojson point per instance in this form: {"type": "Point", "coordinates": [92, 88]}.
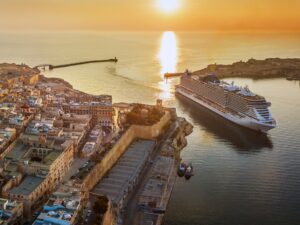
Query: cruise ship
{"type": "Point", "coordinates": [236, 104]}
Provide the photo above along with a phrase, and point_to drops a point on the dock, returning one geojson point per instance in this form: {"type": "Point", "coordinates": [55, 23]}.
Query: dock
{"type": "Point", "coordinates": [170, 75]}
{"type": "Point", "coordinates": [51, 67]}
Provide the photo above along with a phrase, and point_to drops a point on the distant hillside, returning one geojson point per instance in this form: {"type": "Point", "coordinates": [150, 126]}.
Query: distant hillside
{"type": "Point", "coordinates": [268, 68]}
{"type": "Point", "coordinates": [10, 70]}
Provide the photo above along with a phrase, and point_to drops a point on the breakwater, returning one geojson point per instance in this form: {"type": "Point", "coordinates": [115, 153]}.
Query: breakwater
{"type": "Point", "coordinates": [170, 75]}
{"type": "Point", "coordinates": [51, 67]}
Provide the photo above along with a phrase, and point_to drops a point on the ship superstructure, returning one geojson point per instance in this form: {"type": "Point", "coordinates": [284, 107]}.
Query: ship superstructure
{"type": "Point", "coordinates": [234, 103]}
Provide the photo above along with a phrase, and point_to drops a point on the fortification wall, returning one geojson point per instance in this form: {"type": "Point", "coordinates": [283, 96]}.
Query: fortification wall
{"type": "Point", "coordinates": [132, 133]}
{"type": "Point", "coordinates": [109, 216]}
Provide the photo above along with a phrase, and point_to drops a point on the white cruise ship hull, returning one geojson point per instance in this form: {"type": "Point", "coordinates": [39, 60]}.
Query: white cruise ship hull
{"type": "Point", "coordinates": [242, 120]}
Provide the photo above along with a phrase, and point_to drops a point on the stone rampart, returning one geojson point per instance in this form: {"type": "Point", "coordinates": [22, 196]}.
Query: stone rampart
{"type": "Point", "coordinates": [132, 133]}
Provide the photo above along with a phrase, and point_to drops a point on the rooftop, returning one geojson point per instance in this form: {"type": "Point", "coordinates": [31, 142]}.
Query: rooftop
{"type": "Point", "coordinates": [56, 215]}
{"type": "Point", "coordinates": [28, 185]}
{"type": "Point", "coordinates": [88, 147]}
{"type": "Point", "coordinates": [51, 157]}
{"type": "Point", "coordinates": [38, 155]}
{"type": "Point", "coordinates": [61, 207]}
{"type": "Point", "coordinates": [79, 104]}
{"type": "Point", "coordinates": [17, 152]}
{"type": "Point", "coordinates": [126, 170]}
{"type": "Point", "coordinates": [7, 210]}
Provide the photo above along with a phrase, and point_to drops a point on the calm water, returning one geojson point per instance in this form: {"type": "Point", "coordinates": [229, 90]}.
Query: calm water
{"type": "Point", "coordinates": [241, 177]}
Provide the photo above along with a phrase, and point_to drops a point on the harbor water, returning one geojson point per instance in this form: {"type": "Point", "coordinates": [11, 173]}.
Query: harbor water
{"type": "Point", "coordinates": [241, 177]}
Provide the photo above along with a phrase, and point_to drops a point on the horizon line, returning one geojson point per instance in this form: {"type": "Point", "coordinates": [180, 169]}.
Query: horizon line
{"type": "Point", "coordinates": [154, 30]}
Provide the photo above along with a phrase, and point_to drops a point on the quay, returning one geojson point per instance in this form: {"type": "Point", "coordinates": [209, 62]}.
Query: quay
{"type": "Point", "coordinates": [136, 176]}
{"type": "Point", "coordinates": [51, 67]}
{"type": "Point", "coordinates": [170, 75]}
{"type": "Point", "coordinates": [148, 203]}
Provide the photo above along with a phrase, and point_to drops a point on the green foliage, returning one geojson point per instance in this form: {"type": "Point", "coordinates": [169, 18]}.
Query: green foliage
{"type": "Point", "coordinates": [101, 205]}
{"type": "Point", "coordinates": [141, 115]}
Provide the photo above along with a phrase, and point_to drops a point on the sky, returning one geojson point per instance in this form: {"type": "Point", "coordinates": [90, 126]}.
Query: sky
{"type": "Point", "coordinates": [195, 15]}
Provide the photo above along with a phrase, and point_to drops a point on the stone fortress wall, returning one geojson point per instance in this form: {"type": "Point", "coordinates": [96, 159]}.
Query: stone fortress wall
{"type": "Point", "coordinates": [132, 133]}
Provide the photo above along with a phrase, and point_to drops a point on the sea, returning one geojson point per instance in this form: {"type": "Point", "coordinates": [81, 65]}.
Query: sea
{"type": "Point", "coordinates": [241, 177]}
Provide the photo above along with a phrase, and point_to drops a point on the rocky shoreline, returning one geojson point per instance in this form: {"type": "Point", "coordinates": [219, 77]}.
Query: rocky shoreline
{"type": "Point", "coordinates": [55, 80]}
{"type": "Point", "coordinates": [256, 69]}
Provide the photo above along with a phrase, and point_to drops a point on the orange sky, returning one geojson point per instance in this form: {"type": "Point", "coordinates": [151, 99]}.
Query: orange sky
{"type": "Point", "coordinates": [144, 15]}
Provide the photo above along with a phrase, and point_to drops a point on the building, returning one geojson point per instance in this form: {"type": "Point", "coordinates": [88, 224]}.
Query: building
{"type": "Point", "coordinates": [62, 207]}
{"type": "Point", "coordinates": [17, 120]}
{"type": "Point", "coordinates": [74, 122]}
{"type": "Point", "coordinates": [43, 162]}
{"type": "Point", "coordinates": [35, 101]}
{"type": "Point", "coordinates": [11, 212]}
{"type": "Point", "coordinates": [7, 136]}
{"type": "Point", "coordinates": [75, 128]}
{"type": "Point", "coordinates": [31, 192]}
{"type": "Point", "coordinates": [93, 142]}
{"type": "Point", "coordinates": [101, 110]}
{"type": "Point", "coordinates": [3, 93]}
{"type": "Point", "coordinates": [7, 107]}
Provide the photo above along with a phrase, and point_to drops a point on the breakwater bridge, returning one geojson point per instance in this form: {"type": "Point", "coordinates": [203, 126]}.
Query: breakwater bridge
{"type": "Point", "coordinates": [51, 67]}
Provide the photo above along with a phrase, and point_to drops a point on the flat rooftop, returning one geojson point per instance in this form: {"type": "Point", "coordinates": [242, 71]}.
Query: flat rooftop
{"type": "Point", "coordinates": [28, 185]}
{"type": "Point", "coordinates": [51, 157]}
{"type": "Point", "coordinates": [22, 152]}
{"type": "Point", "coordinates": [121, 177]}
{"type": "Point", "coordinates": [17, 152]}
{"type": "Point", "coordinates": [57, 215]}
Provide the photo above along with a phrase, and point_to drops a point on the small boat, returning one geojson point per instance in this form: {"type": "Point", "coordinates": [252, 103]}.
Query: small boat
{"type": "Point", "coordinates": [181, 169]}
{"type": "Point", "coordinates": [189, 171]}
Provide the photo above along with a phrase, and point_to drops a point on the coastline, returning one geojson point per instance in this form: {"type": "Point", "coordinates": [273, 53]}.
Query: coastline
{"type": "Point", "coordinates": [78, 120]}
{"type": "Point", "coordinates": [169, 148]}
{"type": "Point", "coordinates": [256, 69]}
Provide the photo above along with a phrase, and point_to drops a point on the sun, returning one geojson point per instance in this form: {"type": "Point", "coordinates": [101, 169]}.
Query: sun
{"type": "Point", "coordinates": [168, 5]}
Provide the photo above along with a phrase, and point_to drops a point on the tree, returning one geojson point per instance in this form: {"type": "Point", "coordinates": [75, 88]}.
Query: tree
{"type": "Point", "coordinates": [101, 205]}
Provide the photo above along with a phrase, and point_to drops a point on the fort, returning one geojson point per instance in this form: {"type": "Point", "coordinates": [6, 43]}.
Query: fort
{"type": "Point", "coordinates": [253, 68]}
{"type": "Point", "coordinates": [256, 69]}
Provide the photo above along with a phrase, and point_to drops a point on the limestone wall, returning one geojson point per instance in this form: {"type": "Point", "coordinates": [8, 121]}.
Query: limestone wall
{"type": "Point", "coordinates": [8, 149]}
{"type": "Point", "coordinates": [132, 133]}
{"type": "Point", "coordinates": [109, 216]}
{"type": "Point", "coordinates": [151, 132]}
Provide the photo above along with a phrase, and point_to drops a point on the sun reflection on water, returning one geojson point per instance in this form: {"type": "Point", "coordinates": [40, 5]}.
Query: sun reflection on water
{"type": "Point", "coordinates": [168, 58]}
{"type": "Point", "coordinates": [168, 52]}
